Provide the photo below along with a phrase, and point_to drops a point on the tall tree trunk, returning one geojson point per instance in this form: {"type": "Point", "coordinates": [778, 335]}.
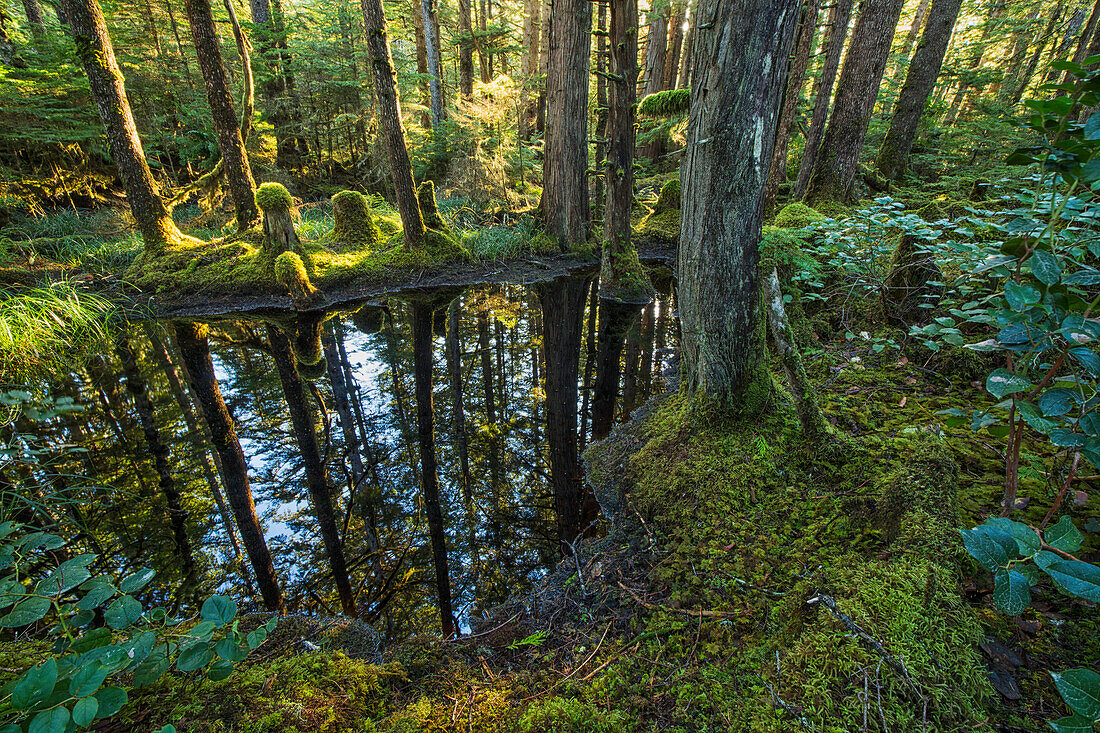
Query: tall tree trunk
{"type": "Point", "coordinates": [544, 63]}
{"type": "Point", "coordinates": [389, 108]}
{"type": "Point", "coordinates": [465, 49]}
{"type": "Point", "coordinates": [431, 44]}
{"type": "Point", "coordinates": [1025, 33]}
{"type": "Point", "coordinates": [489, 395]}
{"type": "Point", "coordinates": [564, 203]}
{"type": "Point", "coordinates": [683, 80]}
{"type": "Point", "coordinates": [158, 450]}
{"type": "Point", "coordinates": [655, 57]}
{"type": "Point", "coordinates": [601, 109]}
{"type": "Point", "coordinates": [179, 43]}
{"type": "Point", "coordinates": [645, 368]}
{"type": "Point", "coordinates": [857, 90]}
{"type": "Point", "coordinates": [458, 410]}
{"type": "Point", "coordinates": [195, 352]}
{"type": "Point", "coordinates": [1021, 82]}
{"type": "Point", "coordinates": [590, 360]}
{"type": "Point", "coordinates": [274, 89]}
{"type": "Point", "coordinates": [914, 31]}
{"type": "Point", "coordinates": [562, 310]}
{"type": "Point", "coordinates": [741, 51]}
{"type": "Point", "coordinates": [317, 482]}
{"type": "Point", "coordinates": [238, 173]}
{"type": "Point", "coordinates": [978, 55]}
{"type": "Point", "coordinates": [532, 27]}
{"type": "Point", "coordinates": [839, 18]}
{"type": "Point", "coordinates": [93, 45]}
{"type": "Point", "coordinates": [616, 319]}
{"type": "Point", "coordinates": [429, 472]}
{"type": "Point", "coordinates": [675, 44]}
{"type": "Point", "coordinates": [422, 63]}
{"type": "Point", "coordinates": [35, 19]}
{"type": "Point", "coordinates": [1061, 50]}
{"type": "Point", "coordinates": [803, 44]}
{"type": "Point", "coordinates": [893, 157]}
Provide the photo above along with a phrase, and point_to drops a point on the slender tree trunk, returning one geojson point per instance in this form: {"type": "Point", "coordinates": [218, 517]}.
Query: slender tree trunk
{"type": "Point", "coordinates": [429, 472]}
{"type": "Point", "coordinates": [741, 51]}
{"type": "Point", "coordinates": [544, 63]}
{"type": "Point", "coordinates": [675, 44]}
{"type": "Point", "coordinates": [590, 360]}
{"type": "Point", "coordinates": [274, 90]}
{"type": "Point", "coordinates": [893, 157]}
{"type": "Point", "coordinates": [995, 13]}
{"type": "Point", "coordinates": [422, 63]}
{"type": "Point", "coordinates": [1021, 83]}
{"type": "Point", "coordinates": [645, 369]}
{"type": "Point", "coordinates": [465, 50]}
{"type": "Point", "coordinates": [37, 22]}
{"type": "Point", "coordinates": [914, 30]}
{"type": "Point", "coordinates": [601, 108]}
{"type": "Point", "coordinates": [431, 43]}
{"type": "Point", "coordinates": [489, 395]}
{"type": "Point", "coordinates": [532, 24]}
{"type": "Point", "coordinates": [683, 80]}
{"type": "Point", "coordinates": [158, 450]}
{"type": "Point", "coordinates": [616, 319]}
{"type": "Point", "coordinates": [1061, 50]}
{"type": "Point", "coordinates": [857, 90]}
{"type": "Point", "coordinates": [562, 310]}
{"type": "Point", "coordinates": [1025, 33]}
{"type": "Point", "coordinates": [195, 352]}
{"type": "Point", "coordinates": [839, 18]}
{"type": "Point", "coordinates": [93, 46]}
{"type": "Point", "coordinates": [238, 173]}
{"type": "Point", "coordinates": [655, 58]}
{"type": "Point", "coordinates": [564, 203]}
{"type": "Point", "coordinates": [803, 44]}
{"type": "Point", "coordinates": [179, 43]}
{"type": "Point", "coordinates": [385, 87]}
{"type": "Point", "coordinates": [458, 411]}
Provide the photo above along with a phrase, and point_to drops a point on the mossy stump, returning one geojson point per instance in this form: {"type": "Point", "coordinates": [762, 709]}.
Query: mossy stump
{"type": "Point", "coordinates": [279, 214]}
{"type": "Point", "coordinates": [669, 197]}
{"type": "Point", "coordinates": [290, 272]}
{"type": "Point", "coordinates": [909, 286]}
{"type": "Point", "coordinates": [354, 228]}
{"type": "Point", "coordinates": [429, 209]}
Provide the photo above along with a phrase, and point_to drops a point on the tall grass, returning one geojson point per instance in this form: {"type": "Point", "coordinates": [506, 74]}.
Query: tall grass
{"type": "Point", "coordinates": [90, 241]}
{"type": "Point", "coordinates": [44, 327]}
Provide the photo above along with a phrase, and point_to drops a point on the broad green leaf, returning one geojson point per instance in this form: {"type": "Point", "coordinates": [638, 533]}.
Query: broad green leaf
{"type": "Point", "coordinates": [99, 591]}
{"type": "Point", "coordinates": [1067, 438]}
{"type": "Point", "coordinates": [1045, 267]}
{"type": "Point", "coordinates": [26, 612]}
{"type": "Point", "coordinates": [153, 668]}
{"type": "Point", "coordinates": [137, 581]}
{"type": "Point", "coordinates": [55, 720]}
{"type": "Point", "coordinates": [1020, 296]}
{"type": "Point", "coordinates": [35, 686]}
{"type": "Point", "coordinates": [1002, 383]}
{"type": "Point", "coordinates": [993, 548]}
{"type": "Point", "coordinates": [1026, 538]}
{"type": "Point", "coordinates": [87, 680]}
{"type": "Point", "coordinates": [230, 650]}
{"type": "Point", "coordinates": [1010, 592]}
{"type": "Point", "coordinates": [255, 638]}
{"type": "Point", "coordinates": [194, 658]}
{"type": "Point", "coordinates": [1073, 724]}
{"type": "Point", "coordinates": [1074, 577]}
{"type": "Point", "coordinates": [219, 670]}
{"type": "Point", "coordinates": [1064, 536]}
{"type": "Point", "coordinates": [1080, 688]}
{"type": "Point", "coordinates": [1088, 359]}
{"type": "Point", "coordinates": [219, 610]}
{"type": "Point", "coordinates": [85, 711]}
{"type": "Point", "coordinates": [199, 634]}
{"type": "Point", "coordinates": [1057, 401]}
{"type": "Point", "coordinates": [138, 649]}
{"type": "Point", "coordinates": [1086, 278]}
{"type": "Point", "coordinates": [92, 639]}
{"type": "Point", "coordinates": [123, 612]}
{"type": "Point", "coordinates": [111, 700]}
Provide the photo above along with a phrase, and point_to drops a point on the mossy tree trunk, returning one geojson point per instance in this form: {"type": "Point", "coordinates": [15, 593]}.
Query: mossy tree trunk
{"type": "Point", "coordinates": [431, 45]}
{"type": "Point", "coordinates": [97, 56]}
{"type": "Point", "coordinates": [393, 131]}
{"type": "Point", "coordinates": [835, 170]}
{"type": "Point", "coordinates": [598, 188]}
{"type": "Point", "coordinates": [740, 57]}
{"type": "Point", "coordinates": [803, 44]}
{"type": "Point", "coordinates": [564, 202]}
{"type": "Point", "coordinates": [317, 481]}
{"type": "Point", "coordinates": [839, 18]}
{"type": "Point", "coordinates": [893, 157]}
{"type": "Point", "coordinates": [238, 172]}
{"type": "Point", "coordinates": [195, 353]}
{"type": "Point", "coordinates": [465, 50]}
{"type": "Point", "coordinates": [37, 22]}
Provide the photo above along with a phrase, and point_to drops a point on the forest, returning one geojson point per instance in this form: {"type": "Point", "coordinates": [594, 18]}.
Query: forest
{"type": "Point", "coordinates": [549, 365]}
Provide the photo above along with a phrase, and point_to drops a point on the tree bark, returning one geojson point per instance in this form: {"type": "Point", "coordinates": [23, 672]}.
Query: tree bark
{"type": "Point", "coordinates": [317, 482]}
{"type": "Point", "coordinates": [564, 202]}
{"type": "Point", "coordinates": [1021, 83]}
{"type": "Point", "coordinates": [35, 19]}
{"type": "Point", "coordinates": [740, 57]}
{"type": "Point", "coordinates": [429, 471]}
{"type": "Point", "coordinates": [389, 109]}
{"type": "Point", "coordinates": [839, 18]}
{"type": "Point", "coordinates": [803, 44]}
{"type": "Point", "coordinates": [616, 318]}
{"type": "Point", "coordinates": [857, 90]}
{"type": "Point", "coordinates": [532, 29]}
{"type": "Point", "coordinates": [893, 157]}
{"type": "Point", "coordinates": [655, 58]}
{"type": "Point", "coordinates": [675, 45]}
{"type": "Point", "coordinates": [422, 63]}
{"type": "Point", "coordinates": [458, 410]}
{"type": "Point", "coordinates": [93, 45]}
{"type": "Point", "coordinates": [562, 310]}
{"type": "Point", "coordinates": [238, 173]}
{"type": "Point", "coordinates": [431, 44]}
{"type": "Point", "coordinates": [195, 352]}
{"type": "Point", "coordinates": [683, 80]}
{"type": "Point", "coordinates": [599, 192]}
{"type": "Point", "coordinates": [465, 50]}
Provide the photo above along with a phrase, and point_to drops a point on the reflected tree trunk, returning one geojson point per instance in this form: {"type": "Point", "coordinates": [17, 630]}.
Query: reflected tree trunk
{"type": "Point", "coordinates": [616, 318]}
{"type": "Point", "coordinates": [458, 410]}
{"type": "Point", "coordinates": [317, 481]}
{"type": "Point", "coordinates": [195, 352]}
{"type": "Point", "coordinates": [429, 472]}
{"type": "Point", "coordinates": [590, 359]}
{"type": "Point", "coordinates": [488, 391]}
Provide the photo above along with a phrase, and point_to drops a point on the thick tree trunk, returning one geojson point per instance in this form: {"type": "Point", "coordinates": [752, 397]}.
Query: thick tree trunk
{"type": "Point", "coordinates": [458, 410]}
{"type": "Point", "coordinates": [417, 11]}
{"type": "Point", "coordinates": [616, 318]}
{"type": "Point", "coordinates": [158, 450]}
{"type": "Point", "coordinates": [675, 44]}
{"type": "Point", "coordinates": [835, 171]}
{"type": "Point", "coordinates": [915, 27]}
{"type": "Point", "coordinates": [839, 18]}
{"type": "Point", "coordinates": [803, 44]}
{"type": "Point", "coordinates": [601, 110]}
{"type": "Point", "coordinates": [195, 352]}
{"type": "Point", "coordinates": [655, 57]}
{"type": "Point", "coordinates": [465, 50]}
{"type": "Point", "coordinates": [238, 173]}
{"type": "Point", "coordinates": [429, 472]}
{"type": "Point", "coordinates": [389, 108]}
{"type": "Point", "coordinates": [740, 56]}
{"type": "Point", "coordinates": [93, 45]}
{"type": "Point", "coordinates": [1061, 50]}
{"type": "Point", "coordinates": [317, 482]}
{"type": "Point", "coordinates": [893, 157]}
{"type": "Point", "coordinates": [562, 310]}
{"type": "Point", "coordinates": [564, 203]}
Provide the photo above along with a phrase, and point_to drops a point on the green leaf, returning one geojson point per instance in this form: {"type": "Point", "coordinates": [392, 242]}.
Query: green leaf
{"type": "Point", "coordinates": [123, 612]}
{"type": "Point", "coordinates": [153, 668]}
{"type": "Point", "coordinates": [1002, 383]}
{"type": "Point", "coordinates": [1073, 724]}
{"type": "Point", "coordinates": [230, 650]}
{"type": "Point", "coordinates": [35, 686]}
{"type": "Point", "coordinates": [1067, 438]}
{"type": "Point", "coordinates": [1057, 401]}
{"type": "Point", "coordinates": [87, 679]}
{"type": "Point", "coordinates": [219, 610]}
{"type": "Point", "coordinates": [111, 700]}
{"type": "Point", "coordinates": [1075, 578]}
{"type": "Point", "coordinates": [1026, 538]}
{"type": "Point", "coordinates": [256, 637]}
{"type": "Point", "coordinates": [1045, 267]}
{"type": "Point", "coordinates": [138, 649]}
{"type": "Point", "coordinates": [137, 581]}
{"type": "Point", "coordinates": [194, 658]}
{"type": "Point", "coordinates": [1088, 359]}
{"type": "Point", "coordinates": [1080, 688]}
{"type": "Point", "coordinates": [1085, 278]}
{"type": "Point", "coordinates": [54, 720]}
{"type": "Point", "coordinates": [219, 670]}
{"type": "Point", "coordinates": [26, 612]}
{"type": "Point", "coordinates": [1064, 536]}
{"type": "Point", "coordinates": [1010, 592]}
{"type": "Point", "coordinates": [85, 711]}
{"type": "Point", "coordinates": [1020, 296]}
{"type": "Point", "coordinates": [992, 547]}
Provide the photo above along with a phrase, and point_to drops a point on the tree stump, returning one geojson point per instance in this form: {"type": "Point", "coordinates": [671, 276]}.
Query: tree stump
{"type": "Point", "coordinates": [354, 228]}
{"type": "Point", "coordinates": [909, 284]}
{"type": "Point", "coordinates": [279, 215]}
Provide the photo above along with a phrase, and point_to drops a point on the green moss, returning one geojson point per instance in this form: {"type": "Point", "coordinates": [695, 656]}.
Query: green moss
{"type": "Point", "coordinates": [669, 198]}
{"type": "Point", "coordinates": [561, 715]}
{"type": "Point", "coordinates": [663, 227]}
{"type": "Point", "coordinates": [543, 244]}
{"type": "Point", "coordinates": [291, 273]}
{"type": "Point", "coordinates": [353, 225]}
{"type": "Point", "coordinates": [429, 209]}
{"type": "Point", "coordinates": [669, 103]}
{"type": "Point", "coordinates": [796, 216]}
{"type": "Point", "coordinates": [274, 196]}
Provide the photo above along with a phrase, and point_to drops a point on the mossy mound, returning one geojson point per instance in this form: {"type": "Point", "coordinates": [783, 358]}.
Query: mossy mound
{"type": "Point", "coordinates": [669, 103]}
{"type": "Point", "coordinates": [624, 279]}
{"type": "Point", "coordinates": [663, 227]}
{"type": "Point", "coordinates": [290, 272]}
{"type": "Point", "coordinates": [429, 209]}
{"type": "Point", "coordinates": [797, 216]}
{"type": "Point", "coordinates": [272, 196]}
{"type": "Point", "coordinates": [669, 198]}
{"type": "Point", "coordinates": [353, 226]}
